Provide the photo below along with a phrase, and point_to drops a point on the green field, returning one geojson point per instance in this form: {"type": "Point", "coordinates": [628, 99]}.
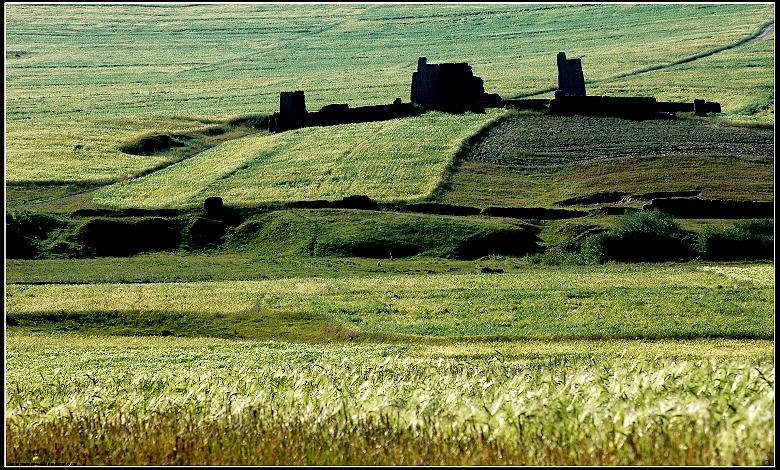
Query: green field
{"type": "Point", "coordinates": [389, 369]}
{"type": "Point", "coordinates": [388, 160]}
{"type": "Point", "coordinates": [82, 81]}
{"type": "Point", "coordinates": [410, 329]}
{"type": "Point", "coordinates": [552, 303]}
{"type": "Point", "coordinates": [530, 159]}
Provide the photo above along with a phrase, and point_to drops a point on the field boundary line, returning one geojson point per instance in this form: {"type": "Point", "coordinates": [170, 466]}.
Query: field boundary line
{"type": "Point", "coordinates": [445, 180]}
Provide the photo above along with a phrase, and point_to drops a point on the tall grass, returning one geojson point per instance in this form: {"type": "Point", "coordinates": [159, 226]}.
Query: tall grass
{"type": "Point", "coordinates": [274, 403]}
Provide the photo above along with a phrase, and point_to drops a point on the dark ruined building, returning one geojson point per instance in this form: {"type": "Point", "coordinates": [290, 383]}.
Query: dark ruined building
{"type": "Point", "coordinates": [293, 115]}
{"type": "Point", "coordinates": [292, 111]}
{"type": "Point", "coordinates": [571, 82]}
{"type": "Point", "coordinates": [453, 87]}
{"type": "Point", "coordinates": [570, 98]}
{"type": "Point", "coordinates": [450, 87]}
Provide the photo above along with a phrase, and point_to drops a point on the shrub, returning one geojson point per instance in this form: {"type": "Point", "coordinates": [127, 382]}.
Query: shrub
{"type": "Point", "coordinates": [746, 240]}
{"type": "Point", "coordinates": [643, 236]}
{"type": "Point", "coordinates": [126, 237]}
{"type": "Point", "coordinates": [26, 232]}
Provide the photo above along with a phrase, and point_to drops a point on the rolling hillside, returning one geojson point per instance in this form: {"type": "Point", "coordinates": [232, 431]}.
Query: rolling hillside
{"type": "Point", "coordinates": [388, 160]}
{"type": "Point", "coordinates": [83, 81]}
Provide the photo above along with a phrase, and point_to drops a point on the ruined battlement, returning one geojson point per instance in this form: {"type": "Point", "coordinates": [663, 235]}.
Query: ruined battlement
{"type": "Point", "coordinates": [571, 81]}
{"type": "Point", "coordinates": [293, 115]}
{"type": "Point", "coordinates": [570, 98]}
{"type": "Point", "coordinates": [453, 87]}
{"type": "Point", "coordinates": [449, 87]}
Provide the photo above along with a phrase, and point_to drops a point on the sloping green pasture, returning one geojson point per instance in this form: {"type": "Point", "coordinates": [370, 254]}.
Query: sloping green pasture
{"type": "Point", "coordinates": [83, 80]}
{"type": "Point", "coordinates": [387, 160]}
{"type": "Point", "coordinates": [530, 159]}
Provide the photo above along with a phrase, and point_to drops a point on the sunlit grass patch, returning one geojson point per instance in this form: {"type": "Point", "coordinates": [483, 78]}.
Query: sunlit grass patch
{"type": "Point", "coordinates": [588, 302]}
{"type": "Point", "coordinates": [389, 160]}
{"type": "Point", "coordinates": [91, 400]}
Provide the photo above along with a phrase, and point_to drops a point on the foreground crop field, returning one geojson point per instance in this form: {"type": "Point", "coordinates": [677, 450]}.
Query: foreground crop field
{"type": "Point", "coordinates": [389, 160]}
{"type": "Point", "coordinates": [101, 400]}
{"type": "Point", "coordinates": [616, 364]}
{"type": "Point", "coordinates": [83, 80]}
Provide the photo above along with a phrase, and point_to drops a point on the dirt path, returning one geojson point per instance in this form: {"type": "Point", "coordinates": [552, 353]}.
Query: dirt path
{"type": "Point", "coordinates": [764, 31]}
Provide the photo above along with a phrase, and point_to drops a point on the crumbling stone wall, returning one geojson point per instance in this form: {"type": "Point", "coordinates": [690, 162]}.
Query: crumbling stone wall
{"type": "Point", "coordinates": [571, 82]}
{"type": "Point", "coordinates": [451, 87]}
{"type": "Point", "coordinates": [630, 107]}
{"type": "Point", "coordinates": [293, 115]}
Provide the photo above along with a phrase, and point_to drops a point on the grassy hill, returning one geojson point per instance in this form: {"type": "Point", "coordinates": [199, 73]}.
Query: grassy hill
{"type": "Point", "coordinates": [389, 160]}
{"type": "Point", "coordinates": [529, 159]}
{"type": "Point", "coordinates": [81, 81]}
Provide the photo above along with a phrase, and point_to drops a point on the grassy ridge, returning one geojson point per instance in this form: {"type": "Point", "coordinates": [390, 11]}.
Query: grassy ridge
{"type": "Point", "coordinates": [104, 400]}
{"type": "Point", "coordinates": [585, 302]}
{"type": "Point", "coordinates": [98, 76]}
{"type": "Point", "coordinates": [173, 267]}
{"type": "Point", "coordinates": [390, 160]}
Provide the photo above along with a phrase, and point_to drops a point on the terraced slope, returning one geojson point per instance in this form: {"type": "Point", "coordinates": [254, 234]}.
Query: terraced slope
{"type": "Point", "coordinates": [397, 159]}
{"type": "Point", "coordinates": [531, 159]}
{"type": "Point", "coordinates": [82, 80]}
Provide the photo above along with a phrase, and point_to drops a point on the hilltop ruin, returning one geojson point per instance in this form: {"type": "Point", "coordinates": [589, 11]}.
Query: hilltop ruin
{"type": "Point", "coordinates": [571, 82]}
{"type": "Point", "coordinates": [453, 87]}
{"type": "Point", "coordinates": [450, 87]}
{"type": "Point", "coordinates": [570, 98]}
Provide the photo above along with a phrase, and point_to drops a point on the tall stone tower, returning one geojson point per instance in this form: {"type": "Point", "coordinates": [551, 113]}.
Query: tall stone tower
{"type": "Point", "coordinates": [571, 82]}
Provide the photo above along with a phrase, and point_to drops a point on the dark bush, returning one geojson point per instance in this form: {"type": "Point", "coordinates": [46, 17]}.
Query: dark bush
{"type": "Point", "coordinates": [26, 233]}
{"type": "Point", "coordinates": [125, 237]}
{"type": "Point", "coordinates": [213, 206]}
{"type": "Point", "coordinates": [746, 240]}
{"type": "Point", "coordinates": [643, 236]}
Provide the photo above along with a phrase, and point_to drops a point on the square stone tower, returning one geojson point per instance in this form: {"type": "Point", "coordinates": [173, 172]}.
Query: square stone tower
{"type": "Point", "coordinates": [571, 82]}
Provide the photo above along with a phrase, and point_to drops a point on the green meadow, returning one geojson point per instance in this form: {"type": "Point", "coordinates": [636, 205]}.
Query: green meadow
{"type": "Point", "coordinates": [387, 160]}
{"type": "Point", "coordinates": [586, 302]}
{"type": "Point", "coordinates": [143, 329]}
{"type": "Point", "coordinates": [82, 81]}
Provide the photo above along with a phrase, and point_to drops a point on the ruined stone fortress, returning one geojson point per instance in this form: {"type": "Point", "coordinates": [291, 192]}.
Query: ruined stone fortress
{"type": "Point", "coordinates": [453, 87]}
